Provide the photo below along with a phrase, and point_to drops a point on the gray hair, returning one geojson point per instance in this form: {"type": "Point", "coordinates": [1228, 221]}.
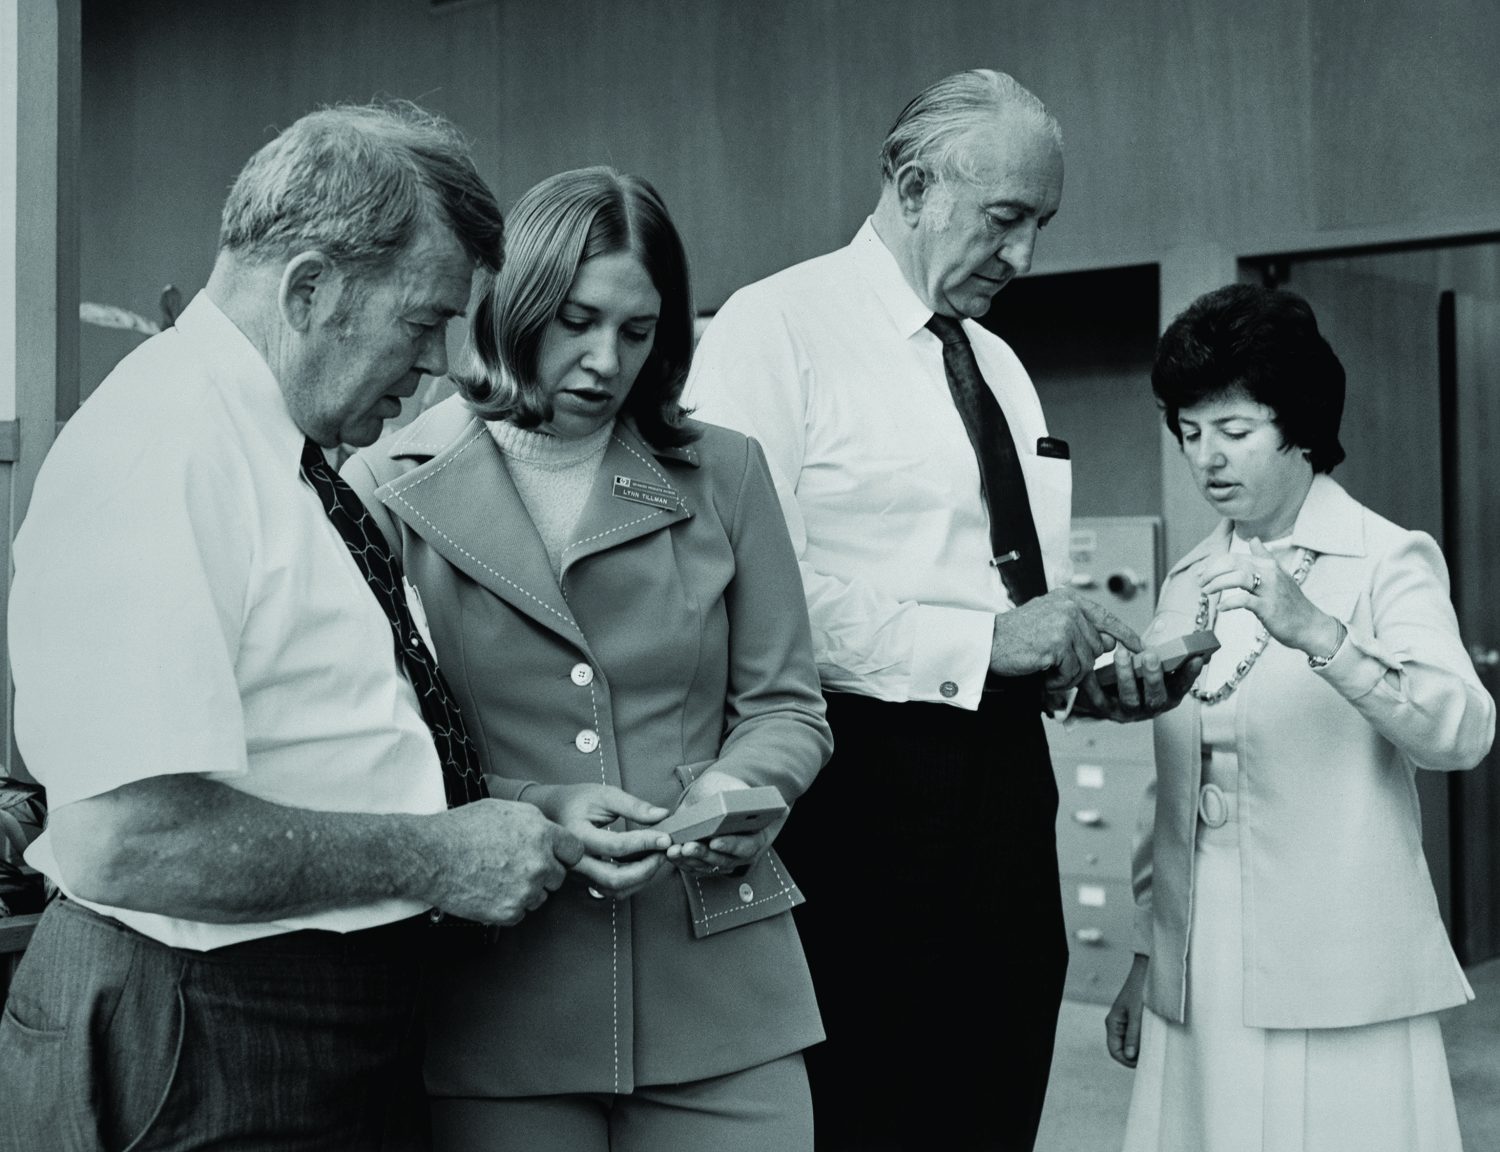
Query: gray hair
{"type": "Point", "coordinates": [355, 182]}
{"type": "Point", "coordinates": [934, 128]}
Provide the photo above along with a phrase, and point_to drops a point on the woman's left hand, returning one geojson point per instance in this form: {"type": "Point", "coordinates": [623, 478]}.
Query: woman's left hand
{"type": "Point", "coordinates": [1259, 583]}
{"type": "Point", "coordinates": [616, 863]}
{"type": "Point", "coordinates": [723, 855]}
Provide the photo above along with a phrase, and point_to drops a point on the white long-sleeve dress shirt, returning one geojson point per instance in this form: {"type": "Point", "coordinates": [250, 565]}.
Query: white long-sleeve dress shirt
{"type": "Point", "coordinates": [830, 366]}
{"type": "Point", "coordinates": [182, 604]}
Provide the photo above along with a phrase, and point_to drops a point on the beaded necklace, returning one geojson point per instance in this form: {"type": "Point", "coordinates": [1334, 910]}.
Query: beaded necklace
{"type": "Point", "coordinates": [1242, 669]}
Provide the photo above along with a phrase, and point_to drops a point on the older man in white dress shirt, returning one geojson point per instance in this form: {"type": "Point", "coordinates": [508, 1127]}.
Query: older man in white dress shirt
{"type": "Point", "coordinates": [930, 511]}
{"type": "Point", "coordinates": [247, 752]}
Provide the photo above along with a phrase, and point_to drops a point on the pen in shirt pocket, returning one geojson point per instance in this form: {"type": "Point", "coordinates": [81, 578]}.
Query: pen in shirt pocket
{"type": "Point", "coordinates": [419, 616]}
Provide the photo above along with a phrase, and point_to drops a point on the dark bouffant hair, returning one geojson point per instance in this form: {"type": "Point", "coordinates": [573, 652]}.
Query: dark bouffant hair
{"type": "Point", "coordinates": [1265, 343]}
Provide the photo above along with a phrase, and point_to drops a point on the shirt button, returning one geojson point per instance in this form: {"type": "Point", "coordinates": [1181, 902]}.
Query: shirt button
{"type": "Point", "coordinates": [415, 641]}
{"type": "Point", "coordinates": [586, 741]}
{"type": "Point", "coordinates": [948, 689]}
{"type": "Point", "coordinates": [747, 893]}
{"type": "Point", "coordinates": [595, 893]}
{"type": "Point", "coordinates": [582, 675]}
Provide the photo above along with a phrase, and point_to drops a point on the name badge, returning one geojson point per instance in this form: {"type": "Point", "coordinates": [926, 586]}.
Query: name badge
{"type": "Point", "coordinates": [644, 492]}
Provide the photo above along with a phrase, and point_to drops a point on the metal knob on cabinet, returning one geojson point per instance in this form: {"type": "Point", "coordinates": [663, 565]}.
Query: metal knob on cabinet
{"type": "Point", "coordinates": [1125, 583]}
{"type": "Point", "coordinates": [1484, 657]}
{"type": "Point", "coordinates": [1089, 817]}
{"type": "Point", "coordinates": [1092, 936]}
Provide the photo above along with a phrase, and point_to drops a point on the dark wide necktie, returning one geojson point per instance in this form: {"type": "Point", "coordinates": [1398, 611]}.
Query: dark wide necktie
{"type": "Point", "coordinates": [1013, 541]}
{"type": "Point", "coordinates": [463, 780]}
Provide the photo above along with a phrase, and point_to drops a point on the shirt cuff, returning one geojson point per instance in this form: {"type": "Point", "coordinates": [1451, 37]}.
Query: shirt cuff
{"type": "Point", "coordinates": [1141, 935]}
{"type": "Point", "coordinates": [951, 655]}
{"type": "Point", "coordinates": [507, 788]}
{"type": "Point", "coordinates": [1359, 664]}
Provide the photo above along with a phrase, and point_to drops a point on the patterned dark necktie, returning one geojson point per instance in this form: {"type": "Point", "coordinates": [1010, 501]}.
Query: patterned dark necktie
{"type": "Point", "coordinates": [462, 779]}
{"type": "Point", "coordinates": [1013, 541]}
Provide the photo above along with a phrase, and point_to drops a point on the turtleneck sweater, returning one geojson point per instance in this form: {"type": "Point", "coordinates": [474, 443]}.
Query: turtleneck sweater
{"type": "Point", "coordinates": [553, 476]}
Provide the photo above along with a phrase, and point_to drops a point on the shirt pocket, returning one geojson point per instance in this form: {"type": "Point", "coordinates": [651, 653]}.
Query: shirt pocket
{"type": "Point", "coordinates": [1049, 489]}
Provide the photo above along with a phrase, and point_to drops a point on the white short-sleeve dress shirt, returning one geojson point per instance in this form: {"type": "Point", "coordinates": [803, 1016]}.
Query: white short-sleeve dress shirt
{"type": "Point", "coordinates": [829, 364]}
{"type": "Point", "coordinates": [181, 604]}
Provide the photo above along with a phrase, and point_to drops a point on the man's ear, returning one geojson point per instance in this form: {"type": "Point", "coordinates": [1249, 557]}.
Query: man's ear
{"type": "Point", "coordinates": [913, 183]}
{"type": "Point", "coordinates": [308, 289]}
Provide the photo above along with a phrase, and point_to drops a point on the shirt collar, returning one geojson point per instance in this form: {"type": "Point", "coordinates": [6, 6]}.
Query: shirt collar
{"type": "Point", "coordinates": [1330, 521]}
{"type": "Point", "coordinates": [882, 275]}
{"type": "Point", "coordinates": [241, 374]}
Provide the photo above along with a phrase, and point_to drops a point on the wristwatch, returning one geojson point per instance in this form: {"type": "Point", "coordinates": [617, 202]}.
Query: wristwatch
{"type": "Point", "coordinates": [1322, 661]}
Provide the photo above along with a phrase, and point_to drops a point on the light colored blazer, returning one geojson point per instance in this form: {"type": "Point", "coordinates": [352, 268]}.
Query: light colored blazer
{"type": "Point", "coordinates": [676, 640]}
{"type": "Point", "coordinates": [1341, 925]}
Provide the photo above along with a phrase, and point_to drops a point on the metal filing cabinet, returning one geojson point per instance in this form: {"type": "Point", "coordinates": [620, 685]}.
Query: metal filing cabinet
{"type": "Point", "coordinates": [1102, 768]}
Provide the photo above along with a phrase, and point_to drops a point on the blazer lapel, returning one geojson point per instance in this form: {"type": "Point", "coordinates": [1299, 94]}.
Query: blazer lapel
{"type": "Point", "coordinates": [633, 495]}
{"type": "Point", "coordinates": [463, 502]}
{"type": "Point", "coordinates": [1216, 543]}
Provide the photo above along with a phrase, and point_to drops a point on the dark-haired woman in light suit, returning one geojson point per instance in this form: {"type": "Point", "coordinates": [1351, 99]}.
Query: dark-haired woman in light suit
{"type": "Point", "coordinates": [1291, 957]}
{"type": "Point", "coordinates": [614, 598]}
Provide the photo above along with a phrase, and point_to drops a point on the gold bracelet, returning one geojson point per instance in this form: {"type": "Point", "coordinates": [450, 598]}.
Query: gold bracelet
{"type": "Point", "coordinates": [1322, 661]}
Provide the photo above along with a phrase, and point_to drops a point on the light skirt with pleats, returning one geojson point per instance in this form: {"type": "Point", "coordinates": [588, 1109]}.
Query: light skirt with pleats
{"type": "Point", "coordinates": [1215, 1085]}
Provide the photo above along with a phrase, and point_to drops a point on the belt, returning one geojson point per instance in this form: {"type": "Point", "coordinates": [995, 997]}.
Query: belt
{"type": "Point", "coordinates": [380, 940]}
{"type": "Point", "coordinates": [1216, 807]}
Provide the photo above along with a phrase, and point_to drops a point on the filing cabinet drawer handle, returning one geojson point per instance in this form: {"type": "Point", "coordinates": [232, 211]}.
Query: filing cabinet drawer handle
{"type": "Point", "coordinates": [1089, 817]}
{"type": "Point", "coordinates": [1091, 936]}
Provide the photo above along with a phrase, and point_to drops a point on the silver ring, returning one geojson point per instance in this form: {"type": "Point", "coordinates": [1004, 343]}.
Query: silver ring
{"type": "Point", "coordinates": [1255, 583]}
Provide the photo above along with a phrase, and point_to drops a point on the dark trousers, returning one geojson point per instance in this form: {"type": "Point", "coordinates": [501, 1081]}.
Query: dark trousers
{"type": "Point", "coordinates": [111, 1040]}
{"type": "Point", "coordinates": [933, 924]}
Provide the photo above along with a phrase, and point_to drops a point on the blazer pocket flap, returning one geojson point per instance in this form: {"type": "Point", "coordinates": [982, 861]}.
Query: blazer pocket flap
{"type": "Point", "coordinates": [719, 903]}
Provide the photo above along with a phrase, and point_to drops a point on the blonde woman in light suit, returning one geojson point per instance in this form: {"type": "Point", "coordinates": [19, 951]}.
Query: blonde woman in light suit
{"type": "Point", "coordinates": [615, 600]}
{"type": "Point", "coordinates": [1291, 957]}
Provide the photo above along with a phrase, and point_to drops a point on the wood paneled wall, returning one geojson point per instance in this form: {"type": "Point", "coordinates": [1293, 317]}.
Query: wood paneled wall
{"type": "Point", "coordinates": [42, 278]}
{"type": "Point", "coordinates": [1251, 127]}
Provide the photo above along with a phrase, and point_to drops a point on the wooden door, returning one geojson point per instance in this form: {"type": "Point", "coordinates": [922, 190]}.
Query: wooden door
{"type": "Point", "coordinates": [1470, 345]}
{"type": "Point", "coordinates": [1386, 333]}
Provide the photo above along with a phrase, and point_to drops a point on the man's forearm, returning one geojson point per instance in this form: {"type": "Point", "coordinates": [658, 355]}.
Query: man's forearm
{"type": "Point", "coordinates": [193, 848]}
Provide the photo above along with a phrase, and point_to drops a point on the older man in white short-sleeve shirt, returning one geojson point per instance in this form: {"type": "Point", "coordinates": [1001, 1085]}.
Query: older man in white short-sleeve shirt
{"type": "Point", "coordinates": [249, 802]}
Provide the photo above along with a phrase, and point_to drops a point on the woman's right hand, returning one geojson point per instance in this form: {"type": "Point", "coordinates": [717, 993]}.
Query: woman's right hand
{"type": "Point", "coordinates": [1122, 1027]}
{"type": "Point", "coordinates": [608, 864]}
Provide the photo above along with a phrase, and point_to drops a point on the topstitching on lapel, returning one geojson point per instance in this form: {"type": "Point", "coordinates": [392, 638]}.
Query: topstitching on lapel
{"type": "Point", "coordinates": [632, 496]}
{"type": "Point", "coordinates": [464, 504]}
